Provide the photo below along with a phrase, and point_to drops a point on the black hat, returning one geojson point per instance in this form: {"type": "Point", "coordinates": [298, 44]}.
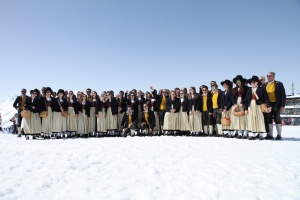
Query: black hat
{"type": "Point", "coordinates": [239, 77]}
{"type": "Point", "coordinates": [255, 79]}
{"type": "Point", "coordinates": [60, 91]}
{"type": "Point", "coordinates": [47, 89]}
{"type": "Point", "coordinates": [228, 82]}
{"type": "Point", "coordinates": [36, 91]}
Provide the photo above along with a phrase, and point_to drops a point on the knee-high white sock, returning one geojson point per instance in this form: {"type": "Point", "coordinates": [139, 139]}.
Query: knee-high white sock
{"type": "Point", "coordinates": [279, 129]}
{"type": "Point", "coordinates": [211, 129]}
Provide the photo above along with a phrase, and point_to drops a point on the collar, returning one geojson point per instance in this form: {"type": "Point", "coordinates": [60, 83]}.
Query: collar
{"type": "Point", "coordinates": [272, 81]}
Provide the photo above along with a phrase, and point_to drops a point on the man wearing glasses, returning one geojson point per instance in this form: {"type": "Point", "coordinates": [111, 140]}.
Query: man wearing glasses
{"type": "Point", "coordinates": [277, 96]}
{"type": "Point", "coordinates": [19, 105]}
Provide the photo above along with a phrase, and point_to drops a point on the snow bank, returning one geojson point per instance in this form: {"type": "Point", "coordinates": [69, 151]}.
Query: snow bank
{"type": "Point", "coordinates": [150, 168]}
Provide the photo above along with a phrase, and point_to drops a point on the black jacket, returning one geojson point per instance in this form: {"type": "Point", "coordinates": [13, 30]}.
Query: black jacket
{"type": "Point", "coordinates": [196, 102]}
{"type": "Point", "coordinates": [122, 104]}
{"type": "Point", "coordinates": [208, 103]}
{"type": "Point", "coordinates": [133, 104]}
{"type": "Point", "coordinates": [113, 105]}
{"type": "Point", "coordinates": [279, 92]}
{"type": "Point", "coordinates": [152, 104]}
{"type": "Point", "coordinates": [45, 104]}
{"type": "Point", "coordinates": [87, 107]}
{"type": "Point", "coordinates": [35, 103]}
{"type": "Point", "coordinates": [18, 102]}
{"type": "Point", "coordinates": [124, 122]}
{"type": "Point", "coordinates": [174, 103]}
{"type": "Point", "coordinates": [227, 100]}
{"type": "Point", "coordinates": [235, 95]}
{"type": "Point", "coordinates": [74, 105]}
{"type": "Point", "coordinates": [262, 95]}
{"type": "Point", "coordinates": [158, 99]}
{"type": "Point", "coordinates": [56, 106]}
{"type": "Point", "coordinates": [184, 105]}
{"type": "Point", "coordinates": [100, 105]}
{"type": "Point", "coordinates": [151, 119]}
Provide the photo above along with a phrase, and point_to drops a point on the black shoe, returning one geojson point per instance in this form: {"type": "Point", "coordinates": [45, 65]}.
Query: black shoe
{"type": "Point", "coordinates": [269, 137]}
{"type": "Point", "coordinates": [261, 138]}
{"type": "Point", "coordinates": [239, 137]}
{"type": "Point", "coordinates": [278, 137]}
{"type": "Point", "coordinates": [33, 137]}
{"type": "Point", "coordinates": [19, 135]}
{"type": "Point", "coordinates": [27, 137]}
{"type": "Point", "coordinates": [244, 137]}
{"type": "Point", "coordinates": [251, 138]}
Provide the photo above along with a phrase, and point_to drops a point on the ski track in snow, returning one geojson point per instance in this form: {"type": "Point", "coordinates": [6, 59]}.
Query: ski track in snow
{"type": "Point", "coordinates": [150, 168]}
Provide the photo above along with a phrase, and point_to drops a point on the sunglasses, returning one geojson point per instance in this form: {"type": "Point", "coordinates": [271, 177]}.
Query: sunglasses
{"type": "Point", "coordinates": [269, 75]}
{"type": "Point", "coordinates": [23, 91]}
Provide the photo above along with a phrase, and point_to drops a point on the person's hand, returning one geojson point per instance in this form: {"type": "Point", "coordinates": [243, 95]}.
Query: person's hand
{"type": "Point", "coordinates": [97, 115]}
{"type": "Point", "coordinates": [270, 109]}
{"type": "Point", "coordinates": [246, 112]}
{"type": "Point", "coordinates": [281, 110]}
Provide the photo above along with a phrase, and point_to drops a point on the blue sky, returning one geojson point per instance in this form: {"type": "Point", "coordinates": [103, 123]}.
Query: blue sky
{"type": "Point", "coordinates": [130, 44]}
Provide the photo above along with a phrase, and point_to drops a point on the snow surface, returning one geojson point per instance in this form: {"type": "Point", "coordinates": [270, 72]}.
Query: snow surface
{"type": "Point", "coordinates": [150, 168]}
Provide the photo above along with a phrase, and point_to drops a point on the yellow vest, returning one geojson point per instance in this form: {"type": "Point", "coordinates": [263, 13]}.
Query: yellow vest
{"type": "Point", "coordinates": [205, 103]}
{"type": "Point", "coordinates": [22, 102]}
{"type": "Point", "coordinates": [271, 91]}
{"type": "Point", "coordinates": [147, 117]}
{"type": "Point", "coordinates": [129, 120]}
{"type": "Point", "coordinates": [163, 105]}
{"type": "Point", "coordinates": [215, 100]}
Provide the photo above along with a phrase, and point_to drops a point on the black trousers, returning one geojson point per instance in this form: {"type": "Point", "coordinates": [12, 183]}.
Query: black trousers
{"type": "Point", "coordinates": [274, 114]}
{"type": "Point", "coordinates": [217, 115]}
{"type": "Point", "coordinates": [161, 115]}
{"type": "Point", "coordinates": [206, 118]}
{"type": "Point", "coordinates": [19, 118]}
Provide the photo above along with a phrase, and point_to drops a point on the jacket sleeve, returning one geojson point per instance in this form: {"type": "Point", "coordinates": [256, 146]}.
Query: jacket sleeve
{"type": "Point", "coordinates": [283, 95]}
{"type": "Point", "coordinates": [152, 117]}
{"type": "Point", "coordinates": [16, 102]}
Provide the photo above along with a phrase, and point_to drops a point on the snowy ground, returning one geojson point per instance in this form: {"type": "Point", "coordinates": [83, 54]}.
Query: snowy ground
{"type": "Point", "coordinates": [150, 168]}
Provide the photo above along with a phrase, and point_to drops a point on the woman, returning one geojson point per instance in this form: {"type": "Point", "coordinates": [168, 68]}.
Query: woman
{"type": "Point", "coordinates": [195, 119]}
{"type": "Point", "coordinates": [59, 122]}
{"type": "Point", "coordinates": [182, 120]}
{"type": "Point", "coordinates": [72, 114]}
{"type": "Point", "coordinates": [84, 107]}
{"type": "Point", "coordinates": [92, 120]}
{"type": "Point", "coordinates": [171, 114]}
{"type": "Point", "coordinates": [46, 105]}
{"type": "Point", "coordinates": [239, 100]}
{"type": "Point", "coordinates": [111, 114]}
{"type": "Point", "coordinates": [121, 109]}
{"type": "Point", "coordinates": [227, 102]}
{"type": "Point", "coordinates": [255, 97]}
{"type": "Point", "coordinates": [101, 118]}
{"type": "Point", "coordinates": [32, 126]}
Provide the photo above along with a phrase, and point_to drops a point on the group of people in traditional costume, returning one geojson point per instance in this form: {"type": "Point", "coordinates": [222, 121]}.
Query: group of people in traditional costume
{"type": "Point", "coordinates": [232, 112]}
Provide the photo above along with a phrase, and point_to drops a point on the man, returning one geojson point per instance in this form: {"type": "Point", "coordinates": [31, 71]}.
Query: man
{"type": "Point", "coordinates": [148, 121]}
{"type": "Point", "coordinates": [88, 94]}
{"type": "Point", "coordinates": [19, 105]}
{"type": "Point", "coordinates": [277, 96]}
{"type": "Point", "coordinates": [161, 105]}
{"type": "Point", "coordinates": [129, 123]}
{"type": "Point", "coordinates": [262, 79]}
